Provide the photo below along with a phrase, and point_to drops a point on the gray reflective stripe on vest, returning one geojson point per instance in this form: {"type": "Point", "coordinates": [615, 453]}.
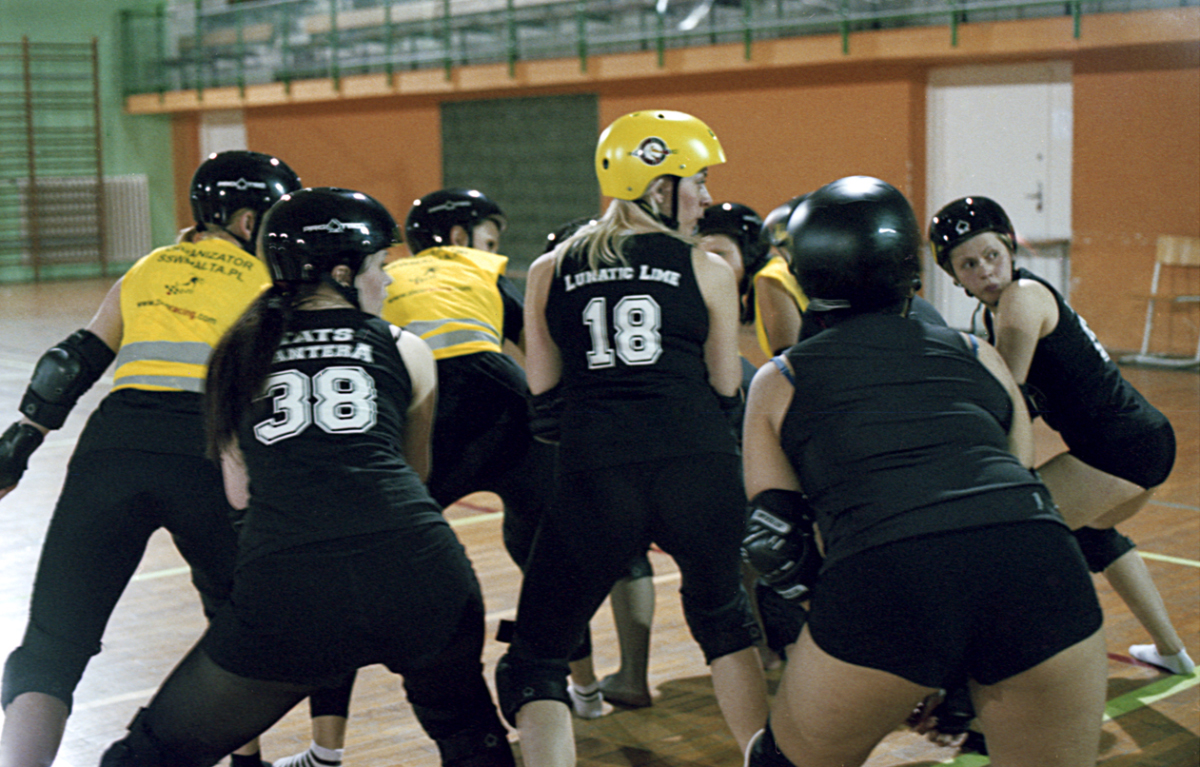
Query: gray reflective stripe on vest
{"type": "Point", "coordinates": [187, 352]}
{"type": "Point", "coordinates": [181, 383]}
{"type": "Point", "coordinates": [486, 333]}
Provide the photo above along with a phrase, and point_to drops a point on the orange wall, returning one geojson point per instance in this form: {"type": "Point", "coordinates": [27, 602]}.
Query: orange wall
{"type": "Point", "coordinates": [1136, 158]}
{"type": "Point", "coordinates": [789, 134]}
{"type": "Point", "coordinates": [390, 150]}
{"type": "Point", "coordinates": [1136, 175]}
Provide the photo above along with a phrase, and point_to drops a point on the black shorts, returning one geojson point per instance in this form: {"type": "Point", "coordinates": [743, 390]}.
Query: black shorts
{"type": "Point", "coordinates": [986, 604]}
{"type": "Point", "coordinates": [314, 613]}
{"type": "Point", "coordinates": [1140, 450]}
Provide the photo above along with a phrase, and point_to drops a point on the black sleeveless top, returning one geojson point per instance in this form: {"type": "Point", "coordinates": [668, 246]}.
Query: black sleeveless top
{"type": "Point", "coordinates": [634, 379]}
{"type": "Point", "coordinates": [1072, 382]}
{"type": "Point", "coordinates": [324, 446]}
{"type": "Point", "coordinates": [896, 430]}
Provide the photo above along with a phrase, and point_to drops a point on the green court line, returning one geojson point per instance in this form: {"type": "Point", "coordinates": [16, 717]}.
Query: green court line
{"type": "Point", "coordinates": [1151, 693]}
{"type": "Point", "coordinates": [1118, 706]}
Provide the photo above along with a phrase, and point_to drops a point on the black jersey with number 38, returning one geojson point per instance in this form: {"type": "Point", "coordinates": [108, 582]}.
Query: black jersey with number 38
{"type": "Point", "coordinates": [323, 446]}
{"type": "Point", "coordinates": [634, 380]}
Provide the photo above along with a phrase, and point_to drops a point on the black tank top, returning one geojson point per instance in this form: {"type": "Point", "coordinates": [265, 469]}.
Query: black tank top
{"type": "Point", "coordinates": [324, 446]}
{"type": "Point", "coordinates": [1072, 382]}
{"type": "Point", "coordinates": [634, 379]}
{"type": "Point", "coordinates": [896, 430]}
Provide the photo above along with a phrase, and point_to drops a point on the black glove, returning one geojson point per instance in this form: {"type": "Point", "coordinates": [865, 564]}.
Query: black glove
{"type": "Point", "coordinates": [545, 411]}
{"type": "Point", "coordinates": [17, 444]}
{"type": "Point", "coordinates": [779, 543]}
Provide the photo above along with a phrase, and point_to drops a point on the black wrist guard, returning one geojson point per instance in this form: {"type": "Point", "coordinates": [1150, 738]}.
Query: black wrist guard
{"type": "Point", "coordinates": [545, 412]}
{"type": "Point", "coordinates": [779, 543]}
{"type": "Point", "coordinates": [17, 444]}
{"type": "Point", "coordinates": [1035, 401]}
{"type": "Point", "coordinates": [62, 375]}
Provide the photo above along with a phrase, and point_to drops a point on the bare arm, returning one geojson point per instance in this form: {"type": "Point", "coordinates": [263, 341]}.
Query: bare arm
{"type": "Point", "coordinates": [765, 464]}
{"type": "Point", "coordinates": [778, 312]}
{"type": "Point", "coordinates": [233, 472]}
{"type": "Point", "coordinates": [1020, 434]}
{"type": "Point", "coordinates": [418, 427]}
{"type": "Point", "coordinates": [719, 289]}
{"type": "Point", "coordinates": [543, 361]}
{"type": "Point", "coordinates": [1025, 314]}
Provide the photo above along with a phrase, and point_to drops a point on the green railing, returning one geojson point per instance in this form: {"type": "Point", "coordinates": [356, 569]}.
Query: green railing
{"type": "Point", "coordinates": [189, 45]}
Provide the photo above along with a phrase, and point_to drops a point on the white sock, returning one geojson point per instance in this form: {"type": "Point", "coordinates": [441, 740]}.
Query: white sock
{"type": "Point", "coordinates": [587, 702]}
{"type": "Point", "coordinates": [315, 756]}
{"type": "Point", "coordinates": [1179, 663]}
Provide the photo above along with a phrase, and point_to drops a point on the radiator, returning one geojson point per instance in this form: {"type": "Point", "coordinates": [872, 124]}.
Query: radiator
{"type": "Point", "coordinates": [67, 221]}
{"type": "Point", "coordinates": [127, 217]}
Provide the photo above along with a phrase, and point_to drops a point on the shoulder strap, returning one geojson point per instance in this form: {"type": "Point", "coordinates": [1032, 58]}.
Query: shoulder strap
{"type": "Point", "coordinates": [783, 368]}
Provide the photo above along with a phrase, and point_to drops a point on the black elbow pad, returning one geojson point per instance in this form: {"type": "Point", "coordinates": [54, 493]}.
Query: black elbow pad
{"type": "Point", "coordinates": [62, 375]}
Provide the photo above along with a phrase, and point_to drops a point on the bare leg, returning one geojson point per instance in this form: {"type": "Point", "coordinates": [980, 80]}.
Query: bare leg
{"type": "Point", "coordinates": [1051, 714]}
{"type": "Point", "coordinates": [1088, 496]}
{"type": "Point", "coordinates": [546, 733]}
{"type": "Point", "coordinates": [741, 691]}
{"type": "Point", "coordinates": [328, 734]}
{"type": "Point", "coordinates": [633, 611]}
{"type": "Point", "coordinates": [33, 730]}
{"type": "Point", "coordinates": [1131, 580]}
{"type": "Point", "coordinates": [329, 731]}
{"type": "Point", "coordinates": [830, 713]}
{"type": "Point", "coordinates": [587, 699]}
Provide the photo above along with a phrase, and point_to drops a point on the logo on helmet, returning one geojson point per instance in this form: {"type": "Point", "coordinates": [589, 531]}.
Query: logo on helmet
{"type": "Point", "coordinates": [652, 151]}
{"type": "Point", "coordinates": [242, 184]}
{"type": "Point", "coordinates": [450, 205]}
{"type": "Point", "coordinates": [337, 227]}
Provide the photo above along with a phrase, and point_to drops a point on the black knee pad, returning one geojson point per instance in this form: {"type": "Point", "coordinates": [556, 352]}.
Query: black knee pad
{"type": "Point", "coordinates": [44, 664]}
{"type": "Point", "coordinates": [725, 630]}
{"type": "Point", "coordinates": [483, 746]}
{"type": "Point", "coordinates": [1102, 547]}
{"type": "Point", "coordinates": [137, 749]}
{"type": "Point", "coordinates": [764, 753]}
{"type": "Point", "coordinates": [524, 680]}
{"type": "Point", "coordinates": [640, 567]}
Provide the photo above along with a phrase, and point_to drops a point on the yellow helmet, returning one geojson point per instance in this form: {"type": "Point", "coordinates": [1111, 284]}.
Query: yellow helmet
{"type": "Point", "coordinates": [640, 147]}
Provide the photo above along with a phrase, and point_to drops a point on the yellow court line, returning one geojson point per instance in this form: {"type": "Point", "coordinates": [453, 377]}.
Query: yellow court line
{"type": "Point", "coordinates": [1172, 560]}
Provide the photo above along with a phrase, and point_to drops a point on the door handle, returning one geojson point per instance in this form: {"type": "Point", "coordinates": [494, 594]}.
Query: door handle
{"type": "Point", "coordinates": [1037, 196]}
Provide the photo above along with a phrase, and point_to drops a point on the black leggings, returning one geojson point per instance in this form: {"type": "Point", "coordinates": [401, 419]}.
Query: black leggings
{"type": "Point", "coordinates": [692, 507]}
{"type": "Point", "coordinates": [203, 712]}
{"type": "Point", "coordinates": [111, 503]}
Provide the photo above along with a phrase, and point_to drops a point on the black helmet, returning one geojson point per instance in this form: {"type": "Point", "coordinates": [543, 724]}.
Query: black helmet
{"type": "Point", "coordinates": [309, 232]}
{"type": "Point", "coordinates": [433, 216]}
{"type": "Point", "coordinates": [775, 226]}
{"type": "Point", "coordinates": [228, 181]}
{"type": "Point", "coordinates": [855, 244]}
{"type": "Point", "coordinates": [741, 224]}
{"type": "Point", "coordinates": [963, 219]}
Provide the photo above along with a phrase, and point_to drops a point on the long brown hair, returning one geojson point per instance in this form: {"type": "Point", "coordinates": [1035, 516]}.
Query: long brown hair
{"type": "Point", "coordinates": [241, 362]}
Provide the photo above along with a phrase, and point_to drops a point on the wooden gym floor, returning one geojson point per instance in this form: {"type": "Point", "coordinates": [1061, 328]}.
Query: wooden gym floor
{"type": "Point", "coordinates": [1153, 719]}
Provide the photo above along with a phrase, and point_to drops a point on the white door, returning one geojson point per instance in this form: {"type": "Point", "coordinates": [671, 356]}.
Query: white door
{"type": "Point", "coordinates": [221, 131]}
{"type": "Point", "coordinates": [1002, 132]}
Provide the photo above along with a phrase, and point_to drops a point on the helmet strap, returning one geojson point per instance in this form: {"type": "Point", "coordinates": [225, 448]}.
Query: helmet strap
{"type": "Point", "coordinates": [672, 221]}
{"type": "Point", "coordinates": [348, 292]}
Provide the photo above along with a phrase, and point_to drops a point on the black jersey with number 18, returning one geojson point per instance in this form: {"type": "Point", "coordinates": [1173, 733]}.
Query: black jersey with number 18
{"type": "Point", "coordinates": [634, 379]}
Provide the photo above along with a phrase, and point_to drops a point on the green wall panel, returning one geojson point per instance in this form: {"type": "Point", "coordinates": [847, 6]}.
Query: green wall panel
{"type": "Point", "coordinates": [533, 156]}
